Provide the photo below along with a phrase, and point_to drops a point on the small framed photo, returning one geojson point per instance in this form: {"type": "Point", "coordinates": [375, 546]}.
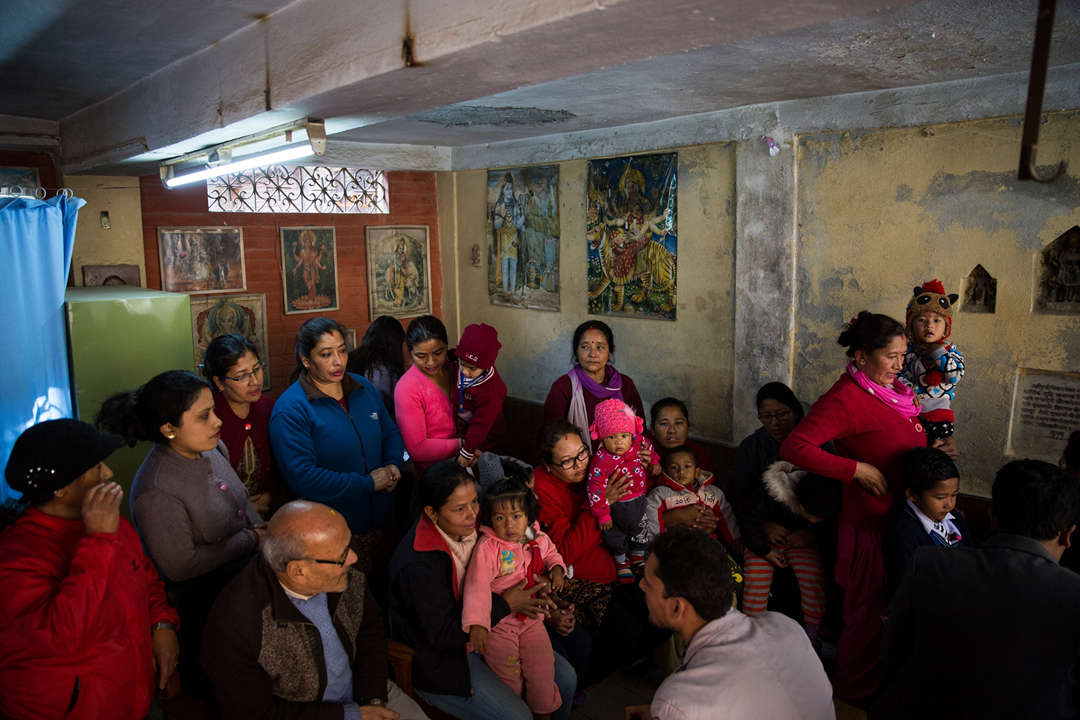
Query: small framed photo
{"type": "Point", "coordinates": [24, 178]}
{"type": "Point", "coordinates": [200, 260]}
{"type": "Point", "coordinates": [399, 270]}
{"type": "Point", "coordinates": [309, 269]}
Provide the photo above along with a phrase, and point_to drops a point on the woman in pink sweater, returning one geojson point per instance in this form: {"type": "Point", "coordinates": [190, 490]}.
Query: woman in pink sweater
{"type": "Point", "coordinates": [425, 396]}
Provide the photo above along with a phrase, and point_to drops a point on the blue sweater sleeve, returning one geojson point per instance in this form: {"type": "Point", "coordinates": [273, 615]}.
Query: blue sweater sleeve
{"type": "Point", "coordinates": [294, 449]}
{"type": "Point", "coordinates": [393, 448]}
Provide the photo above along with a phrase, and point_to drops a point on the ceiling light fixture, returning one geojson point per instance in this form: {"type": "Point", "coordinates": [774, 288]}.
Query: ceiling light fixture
{"type": "Point", "coordinates": [218, 158]}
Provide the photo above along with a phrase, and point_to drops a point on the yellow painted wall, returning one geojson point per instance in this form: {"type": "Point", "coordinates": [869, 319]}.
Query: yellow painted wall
{"type": "Point", "coordinates": [691, 358]}
{"type": "Point", "coordinates": [882, 212]}
{"type": "Point", "coordinates": [123, 244]}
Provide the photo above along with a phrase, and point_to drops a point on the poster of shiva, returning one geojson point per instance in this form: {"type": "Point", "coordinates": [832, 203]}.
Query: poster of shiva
{"type": "Point", "coordinates": [309, 269]}
{"type": "Point", "coordinates": [631, 231]}
{"type": "Point", "coordinates": [523, 237]}
{"type": "Point", "coordinates": [197, 260]}
{"type": "Point", "coordinates": [399, 272]}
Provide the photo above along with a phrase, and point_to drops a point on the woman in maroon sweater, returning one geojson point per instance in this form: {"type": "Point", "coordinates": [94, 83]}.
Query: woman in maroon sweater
{"type": "Point", "coordinates": [872, 420]}
{"type": "Point", "coordinates": [615, 615]}
{"type": "Point", "coordinates": [575, 395]}
{"type": "Point", "coordinates": [232, 363]}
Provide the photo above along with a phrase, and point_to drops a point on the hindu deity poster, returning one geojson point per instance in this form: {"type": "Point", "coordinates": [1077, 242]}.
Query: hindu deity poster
{"type": "Point", "coordinates": [523, 237]}
{"type": "Point", "coordinates": [215, 315]}
{"type": "Point", "coordinates": [631, 230]}
{"type": "Point", "coordinates": [198, 260]}
{"type": "Point", "coordinates": [399, 270]}
{"type": "Point", "coordinates": [309, 269]}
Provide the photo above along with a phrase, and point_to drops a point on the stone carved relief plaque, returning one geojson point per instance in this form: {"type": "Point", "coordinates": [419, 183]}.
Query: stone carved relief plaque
{"type": "Point", "coordinates": [1057, 288]}
{"type": "Point", "coordinates": [1046, 408]}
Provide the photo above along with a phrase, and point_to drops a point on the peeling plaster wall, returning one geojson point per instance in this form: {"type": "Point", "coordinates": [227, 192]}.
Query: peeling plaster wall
{"type": "Point", "coordinates": [692, 358]}
{"type": "Point", "coordinates": [881, 212]}
{"type": "Point", "coordinates": [123, 244]}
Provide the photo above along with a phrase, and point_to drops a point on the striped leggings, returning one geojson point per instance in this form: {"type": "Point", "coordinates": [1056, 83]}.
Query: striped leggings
{"type": "Point", "coordinates": [806, 562]}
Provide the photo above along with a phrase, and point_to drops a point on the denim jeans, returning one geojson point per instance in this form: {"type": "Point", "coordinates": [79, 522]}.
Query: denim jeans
{"type": "Point", "coordinates": [493, 700]}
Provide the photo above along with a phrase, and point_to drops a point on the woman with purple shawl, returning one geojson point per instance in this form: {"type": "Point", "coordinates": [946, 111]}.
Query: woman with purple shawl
{"type": "Point", "coordinates": [592, 380]}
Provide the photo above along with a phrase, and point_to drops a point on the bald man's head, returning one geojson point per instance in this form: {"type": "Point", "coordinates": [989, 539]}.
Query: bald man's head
{"type": "Point", "coordinates": [298, 529]}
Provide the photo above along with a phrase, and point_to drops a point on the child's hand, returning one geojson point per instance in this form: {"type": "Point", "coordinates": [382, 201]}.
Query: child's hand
{"type": "Point", "coordinates": [654, 470]}
{"type": "Point", "coordinates": [478, 636]}
{"type": "Point", "coordinates": [558, 579]}
{"type": "Point", "coordinates": [775, 559]}
{"type": "Point", "coordinates": [605, 526]}
{"type": "Point", "coordinates": [739, 546]}
{"type": "Point", "coordinates": [464, 462]}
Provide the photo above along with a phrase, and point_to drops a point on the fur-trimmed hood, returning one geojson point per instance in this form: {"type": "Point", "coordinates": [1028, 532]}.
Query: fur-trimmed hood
{"type": "Point", "coordinates": [780, 480]}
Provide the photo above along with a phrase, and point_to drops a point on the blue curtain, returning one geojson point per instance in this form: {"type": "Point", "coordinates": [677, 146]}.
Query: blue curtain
{"type": "Point", "coordinates": [36, 239]}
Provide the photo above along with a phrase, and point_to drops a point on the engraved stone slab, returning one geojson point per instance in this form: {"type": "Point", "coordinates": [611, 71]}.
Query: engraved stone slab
{"type": "Point", "coordinates": [1046, 408]}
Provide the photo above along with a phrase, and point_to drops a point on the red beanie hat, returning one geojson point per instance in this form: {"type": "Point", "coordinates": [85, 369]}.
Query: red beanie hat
{"type": "Point", "coordinates": [479, 346]}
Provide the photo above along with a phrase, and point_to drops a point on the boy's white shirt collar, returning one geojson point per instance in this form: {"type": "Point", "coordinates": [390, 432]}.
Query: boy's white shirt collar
{"type": "Point", "coordinates": [928, 524]}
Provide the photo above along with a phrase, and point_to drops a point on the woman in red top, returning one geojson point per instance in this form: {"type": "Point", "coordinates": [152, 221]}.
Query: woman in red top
{"type": "Point", "coordinates": [615, 615]}
{"type": "Point", "coordinates": [872, 420]}
{"type": "Point", "coordinates": [83, 614]}
{"type": "Point", "coordinates": [575, 395]}
{"type": "Point", "coordinates": [232, 363]}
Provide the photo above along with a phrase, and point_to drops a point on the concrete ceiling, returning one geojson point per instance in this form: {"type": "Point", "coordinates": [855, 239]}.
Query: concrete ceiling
{"type": "Point", "coordinates": [126, 83]}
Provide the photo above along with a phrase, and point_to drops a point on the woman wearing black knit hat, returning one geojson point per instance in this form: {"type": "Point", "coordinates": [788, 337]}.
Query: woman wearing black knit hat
{"type": "Point", "coordinates": [83, 614]}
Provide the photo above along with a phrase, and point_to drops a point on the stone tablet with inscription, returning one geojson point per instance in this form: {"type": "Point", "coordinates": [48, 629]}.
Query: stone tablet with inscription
{"type": "Point", "coordinates": [1046, 408]}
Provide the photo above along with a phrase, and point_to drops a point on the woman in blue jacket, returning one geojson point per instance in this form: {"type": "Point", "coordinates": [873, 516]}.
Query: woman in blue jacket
{"type": "Point", "coordinates": [336, 444]}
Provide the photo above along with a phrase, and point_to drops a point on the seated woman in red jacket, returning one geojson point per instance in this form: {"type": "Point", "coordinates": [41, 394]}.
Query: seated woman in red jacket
{"type": "Point", "coordinates": [614, 614]}
{"type": "Point", "coordinates": [83, 615]}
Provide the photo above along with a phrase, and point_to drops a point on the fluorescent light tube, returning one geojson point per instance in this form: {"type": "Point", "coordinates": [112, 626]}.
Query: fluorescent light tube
{"type": "Point", "coordinates": [274, 158]}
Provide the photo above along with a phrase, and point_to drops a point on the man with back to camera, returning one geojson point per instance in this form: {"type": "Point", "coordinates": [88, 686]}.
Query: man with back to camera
{"type": "Point", "coordinates": [736, 667]}
{"type": "Point", "coordinates": [993, 631]}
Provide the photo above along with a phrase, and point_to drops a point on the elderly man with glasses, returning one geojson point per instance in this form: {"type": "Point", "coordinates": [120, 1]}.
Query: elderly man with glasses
{"type": "Point", "coordinates": [297, 632]}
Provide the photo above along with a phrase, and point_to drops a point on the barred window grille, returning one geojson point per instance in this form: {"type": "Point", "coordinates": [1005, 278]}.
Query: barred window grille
{"type": "Point", "coordinates": [300, 189]}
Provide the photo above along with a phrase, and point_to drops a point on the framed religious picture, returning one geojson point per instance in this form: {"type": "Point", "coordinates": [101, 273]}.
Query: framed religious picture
{"type": "Point", "coordinates": [632, 236]}
{"type": "Point", "coordinates": [198, 260]}
{"type": "Point", "coordinates": [399, 272]}
{"type": "Point", "coordinates": [350, 339]}
{"type": "Point", "coordinates": [523, 237]}
{"type": "Point", "coordinates": [23, 178]}
{"type": "Point", "coordinates": [309, 269]}
{"type": "Point", "coordinates": [94, 275]}
{"type": "Point", "coordinates": [214, 315]}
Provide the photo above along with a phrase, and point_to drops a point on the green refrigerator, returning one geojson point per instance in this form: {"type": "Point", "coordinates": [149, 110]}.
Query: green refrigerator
{"type": "Point", "coordinates": [118, 338]}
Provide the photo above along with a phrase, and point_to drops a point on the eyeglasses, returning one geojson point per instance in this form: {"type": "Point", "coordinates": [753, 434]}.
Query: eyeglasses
{"type": "Point", "coordinates": [256, 373]}
{"type": "Point", "coordinates": [340, 563]}
{"type": "Point", "coordinates": [778, 417]}
{"type": "Point", "coordinates": [571, 462]}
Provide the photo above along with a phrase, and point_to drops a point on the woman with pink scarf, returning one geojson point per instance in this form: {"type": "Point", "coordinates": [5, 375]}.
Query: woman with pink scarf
{"type": "Point", "coordinates": [871, 418]}
{"type": "Point", "coordinates": [592, 380]}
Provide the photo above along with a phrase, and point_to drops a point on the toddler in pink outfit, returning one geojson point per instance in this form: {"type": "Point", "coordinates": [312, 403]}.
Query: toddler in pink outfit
{"type": "Point", "coordinates": [511, 548]}
{"type": "Point", "coordinates": [624, 526]}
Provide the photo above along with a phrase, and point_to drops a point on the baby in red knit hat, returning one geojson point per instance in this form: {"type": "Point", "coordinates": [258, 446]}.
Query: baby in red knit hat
{"type": "Point", "coordinates": [624, 525]}
{"type": "Point", "coordinates": [932, 366]}
{"type": "Point", "coordinates": [481, 392]}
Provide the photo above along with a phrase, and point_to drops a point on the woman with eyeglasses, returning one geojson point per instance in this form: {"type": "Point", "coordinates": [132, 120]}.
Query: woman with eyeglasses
{"type": "Point", "coordinates": [614, 614]}
{"type": "Point", "coordinates": [776, 538]}
{"type": "Point", "coordinates": [232, 363]}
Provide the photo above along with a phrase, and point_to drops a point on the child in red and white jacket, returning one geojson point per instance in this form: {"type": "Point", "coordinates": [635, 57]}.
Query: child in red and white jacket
{"type": "Point", "coordinates": [481, 392]}
{"type": "Point", "coordinates": [623, 526]}
{"type": "Point", "coordinates": [683, 484]}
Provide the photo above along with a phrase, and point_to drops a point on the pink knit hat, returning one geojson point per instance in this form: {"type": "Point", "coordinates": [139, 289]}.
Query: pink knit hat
{"type": "Point", "coordinates": [613, 416]}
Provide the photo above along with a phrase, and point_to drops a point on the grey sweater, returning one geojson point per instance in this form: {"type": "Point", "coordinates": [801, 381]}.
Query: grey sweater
{"type": "Point", "coordinates": [193, 515]}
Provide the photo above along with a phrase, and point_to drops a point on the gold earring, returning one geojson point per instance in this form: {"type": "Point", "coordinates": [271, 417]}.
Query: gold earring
{"type": "Point", "coordinates": [170, 436]}
{"type": "Point", "coordinates": [60, 493]}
